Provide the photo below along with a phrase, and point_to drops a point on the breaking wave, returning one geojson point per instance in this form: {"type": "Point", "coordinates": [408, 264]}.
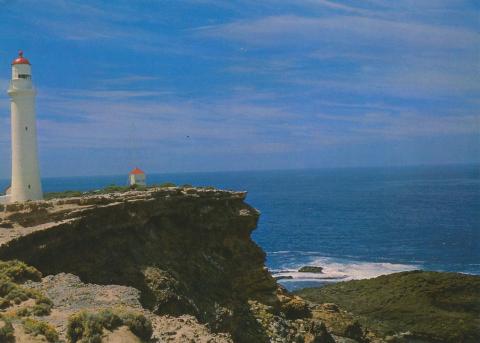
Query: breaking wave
{"type": "Point", "coordinates": [336, 269]}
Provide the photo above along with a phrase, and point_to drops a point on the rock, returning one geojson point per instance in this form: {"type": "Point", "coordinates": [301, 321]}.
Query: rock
{"type": "Point", "coordinates": [311, 269]}
{"type": "Point", "coordinates": [283, 277]}
{"type": "Point", "coordinates": [295, 308]}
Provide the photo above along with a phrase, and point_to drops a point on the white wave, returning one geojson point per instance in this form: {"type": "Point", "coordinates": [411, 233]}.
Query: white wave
{"type": "Point", "coordinates": [342, 270]}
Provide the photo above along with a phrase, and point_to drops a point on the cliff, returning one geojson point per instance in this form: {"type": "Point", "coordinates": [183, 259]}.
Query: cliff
{"type": "Point", "coordinates": [187, 251]}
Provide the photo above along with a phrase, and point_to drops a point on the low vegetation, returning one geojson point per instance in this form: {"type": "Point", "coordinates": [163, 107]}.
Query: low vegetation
{"type": "Point", "coordinates": [88, 327]}
{"type": "Point", "coordinates": [19, 272]}
{"type": "Point", "coordinates": [109, 189]}
{"type": "Point", "coordinates": [432, 306]}
{"type": "Point", "coordinates": [65, 194]}
{"type": "Point", "coordinates": [6, 330]}
{"type": "Point", "coordinates": [35, 327]}
{"type": "Point", "coordinates": [12, 275]}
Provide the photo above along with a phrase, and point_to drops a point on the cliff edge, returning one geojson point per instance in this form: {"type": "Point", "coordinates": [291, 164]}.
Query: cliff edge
{"type": "Point", "coordinates": [188, 252]}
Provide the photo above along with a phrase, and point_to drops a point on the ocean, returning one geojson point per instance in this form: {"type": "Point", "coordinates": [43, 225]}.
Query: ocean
{"type": "Point", "coordinates": [354, 222]}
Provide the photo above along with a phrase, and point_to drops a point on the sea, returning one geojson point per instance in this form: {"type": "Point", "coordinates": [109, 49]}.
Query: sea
{"type": "Point", "coordinates": [355, 223]}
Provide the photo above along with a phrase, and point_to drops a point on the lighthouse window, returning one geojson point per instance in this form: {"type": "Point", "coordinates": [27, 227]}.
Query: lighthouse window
{"type": "Point", "coordinates": [24, 76]}
{"type": "Point", "coordinates": [26, 128]}
{"type": "Point", "coordinates": [29, 187]}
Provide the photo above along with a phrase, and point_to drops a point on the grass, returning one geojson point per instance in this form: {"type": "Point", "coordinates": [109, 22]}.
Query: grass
{"type": "Point", "coordinates": [86, 327]}
{"type": "Point", "coordinates": [439, 306]}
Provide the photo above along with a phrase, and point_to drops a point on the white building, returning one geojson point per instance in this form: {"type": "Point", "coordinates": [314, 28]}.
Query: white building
{"type": "Point", "coordinates": [25, 170]}
{"type": "Point", "coordinates": [137, 177]}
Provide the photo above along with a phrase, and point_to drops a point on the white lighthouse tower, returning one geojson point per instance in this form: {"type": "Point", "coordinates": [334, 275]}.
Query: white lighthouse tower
{"type": "Point", "coordinates": [25, 171]}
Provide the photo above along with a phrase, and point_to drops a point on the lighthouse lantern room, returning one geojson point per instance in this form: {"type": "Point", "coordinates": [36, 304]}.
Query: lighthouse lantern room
{"type": "Point", "coordinates": [25, 170]}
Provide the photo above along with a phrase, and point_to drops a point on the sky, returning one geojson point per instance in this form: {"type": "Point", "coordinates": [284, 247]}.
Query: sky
{"type": "Point", "coordinates": [210, 85]}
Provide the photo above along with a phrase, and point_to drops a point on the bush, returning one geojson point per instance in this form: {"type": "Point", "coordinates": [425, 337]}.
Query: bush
{"type": "Point", "coordinates": [6, 330]}
{"type": "Point", "coordinates": [14, 272]}
{"type": "Point", "coordinates": [17, 271]}
{"type": "Point", "coordinates": [35, 328]}
{"type": "Point", "coordinates": [87, 327]}
{"type": "Point", "coordinates": [84, 327]}
{"type": "Point", "coordinates": [23, 312]}
{"type": "Point", "coordinates": [17, 295]}
{"type": "Point", "coordinates": [42, 307]}
{"type": "Point", "coordinates": [138, 324]}
{"type": "Point", "coordinates": [110, 320]}
{"type": "Point", "coordinates": [4, 303]}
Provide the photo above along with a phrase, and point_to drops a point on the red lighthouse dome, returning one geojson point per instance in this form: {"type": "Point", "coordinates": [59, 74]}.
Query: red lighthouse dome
{"type": "Point", "coordinates": [20, 59]}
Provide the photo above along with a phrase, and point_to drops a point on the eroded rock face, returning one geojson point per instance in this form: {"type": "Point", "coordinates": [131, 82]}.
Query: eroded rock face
{"type": "Point", "coordinates": [188, 252]}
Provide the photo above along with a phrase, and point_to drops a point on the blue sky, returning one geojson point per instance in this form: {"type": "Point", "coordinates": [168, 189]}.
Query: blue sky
{"type": "Point", "coordinates": [237, 85]}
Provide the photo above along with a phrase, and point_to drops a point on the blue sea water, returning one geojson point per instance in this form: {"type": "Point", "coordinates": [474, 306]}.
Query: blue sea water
{"type": "Point", "coordinates": [354, 222]}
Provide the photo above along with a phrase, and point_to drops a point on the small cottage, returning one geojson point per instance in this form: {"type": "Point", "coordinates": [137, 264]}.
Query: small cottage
{"type": "Point", "coordinates": [137, 177]}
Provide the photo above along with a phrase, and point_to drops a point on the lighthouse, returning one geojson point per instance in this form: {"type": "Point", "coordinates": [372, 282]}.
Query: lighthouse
{"type": "Point", "coordinates": [25, 171]}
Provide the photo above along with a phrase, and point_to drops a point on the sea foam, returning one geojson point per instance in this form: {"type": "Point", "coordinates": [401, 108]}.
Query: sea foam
{"type": "Point", "coordinates": [335, 270]}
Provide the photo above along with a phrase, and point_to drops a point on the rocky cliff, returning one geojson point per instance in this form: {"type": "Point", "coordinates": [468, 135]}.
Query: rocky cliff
{"type": "Point", "coordinates": [188, 251]}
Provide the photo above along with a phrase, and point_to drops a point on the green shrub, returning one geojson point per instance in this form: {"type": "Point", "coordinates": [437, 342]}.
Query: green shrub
{"type": "Point", "coordinates": [186, 186]}
{"type": "Point", "coordinates": [4, 303]}
{"type": "Point", "coordinates": [35, 328]}
{"type": "Point", "coordinates": [18, 271]}
{"type": "Point", "coordinates": [6, 286]}
{"type": "Point", "coordinates": [138, 324]}
{"type": "Point", "coordinates": [14, 272]}
{"type": "Point", "coordinates": [23, 312]}
{"type": "Point", "coordinates": [17, 295]}
{"type": "Point", "coordinates": [85, 327]}
{"type": "Point", "coordinates": [42, 308]}
{"type": "Point", "coordinates": [109, 319]}
{"type": "Point", "coordinates": [6, 330]}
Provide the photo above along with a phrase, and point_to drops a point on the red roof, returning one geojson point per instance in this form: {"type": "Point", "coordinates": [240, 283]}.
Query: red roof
{"type": "Point", "coordinates": [137, 171]}
{"type": "Point", "coordinates": [20, 59]}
